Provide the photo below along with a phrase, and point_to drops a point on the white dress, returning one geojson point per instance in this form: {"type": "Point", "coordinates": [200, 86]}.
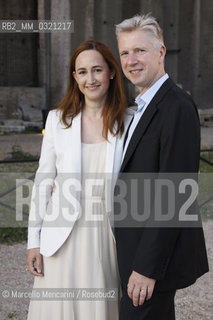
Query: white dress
{"type": "Point", "coordinates": [88, 257]}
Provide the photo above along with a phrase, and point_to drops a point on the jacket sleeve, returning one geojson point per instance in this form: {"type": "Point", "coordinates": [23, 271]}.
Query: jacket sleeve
{"type": "Point", "coordinates": [43, 184]}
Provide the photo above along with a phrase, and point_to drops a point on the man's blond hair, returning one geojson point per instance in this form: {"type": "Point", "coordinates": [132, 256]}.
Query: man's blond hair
{"type": "Point", "coordinates": [141, 22]}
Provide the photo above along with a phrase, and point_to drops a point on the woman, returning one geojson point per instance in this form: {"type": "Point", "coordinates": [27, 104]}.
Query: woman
{"type": "Point", "coordinates": [83, 137]}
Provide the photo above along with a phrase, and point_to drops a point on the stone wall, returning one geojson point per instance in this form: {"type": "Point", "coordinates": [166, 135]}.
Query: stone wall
{"type": "Point", "coordinates": [188, 27]}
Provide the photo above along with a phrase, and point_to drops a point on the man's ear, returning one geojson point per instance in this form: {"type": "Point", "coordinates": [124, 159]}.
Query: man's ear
{"type": "Point", "coordinates": [162, 52]}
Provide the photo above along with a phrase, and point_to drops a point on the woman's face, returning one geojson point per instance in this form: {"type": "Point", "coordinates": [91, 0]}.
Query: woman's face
{"type": "Point", "coordinates": [92, 75]}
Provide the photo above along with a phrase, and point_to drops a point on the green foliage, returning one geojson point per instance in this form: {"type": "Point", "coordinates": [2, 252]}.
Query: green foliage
{"type": "Point", "coordinates": [12, 235]}
{"type": "Point", "coordinates": [11, 315]}
{"type": "Point", "coordinates": [205, 167]}
{"type": "Point", "coordinates": [17, 153]}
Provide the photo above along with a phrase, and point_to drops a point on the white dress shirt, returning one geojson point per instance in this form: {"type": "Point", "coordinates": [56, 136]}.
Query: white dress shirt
{"type": "Point", "coordinates": [143, 100]}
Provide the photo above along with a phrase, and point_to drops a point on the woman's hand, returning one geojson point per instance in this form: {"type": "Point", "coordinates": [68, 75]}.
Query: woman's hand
{"type": "Point", "coordinates": [34, 262]}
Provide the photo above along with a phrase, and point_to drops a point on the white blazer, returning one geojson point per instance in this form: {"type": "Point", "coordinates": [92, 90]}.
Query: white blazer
{"type": "Point", "coordinates": [61, 156]}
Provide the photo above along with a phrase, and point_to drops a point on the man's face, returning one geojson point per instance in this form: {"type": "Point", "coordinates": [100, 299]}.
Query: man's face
{"type": "Point", "coordinates": [142, 58]}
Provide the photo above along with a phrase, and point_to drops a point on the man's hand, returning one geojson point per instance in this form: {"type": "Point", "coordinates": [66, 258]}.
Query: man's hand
{"type": "Point", "coordinates": [34, 262]}
{"type": "Point", "coordinates": [140, 288]}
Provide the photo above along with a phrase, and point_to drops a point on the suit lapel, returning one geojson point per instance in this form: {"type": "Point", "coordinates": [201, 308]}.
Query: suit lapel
{"type": "Point", "coordinates": [139, 132]}
{"type": "Point", "coordinates": [145, 121]}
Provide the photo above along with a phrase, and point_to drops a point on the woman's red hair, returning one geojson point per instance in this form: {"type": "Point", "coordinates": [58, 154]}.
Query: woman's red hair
{"type": "Point", "coordinates": [115, 105]}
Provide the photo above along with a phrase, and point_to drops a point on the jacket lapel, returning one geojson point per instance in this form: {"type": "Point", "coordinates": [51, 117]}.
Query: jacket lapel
{"type": "Point", "coordinates": [110, 153]}
{"type": "Point", "coordinates": [115, 146]}
{"type": "Point", "coordinates": [139, 132]}
{"type": "Point", "coordinates": [145, 121]}
{"type": "Point", "coordinates": [113, 162]}
{"type": "Point", "coordinates": [73, 146]}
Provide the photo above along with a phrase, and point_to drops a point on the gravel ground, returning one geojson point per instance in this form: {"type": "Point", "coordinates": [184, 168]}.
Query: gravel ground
{"type": "Point", "coordinates": [195, 302]}
{"type": "Point", "coordinates": [207, 135]}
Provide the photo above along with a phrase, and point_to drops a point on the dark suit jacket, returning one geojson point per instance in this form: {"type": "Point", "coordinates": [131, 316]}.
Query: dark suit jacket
{"type": "Point", "coordinates": [166, 139]}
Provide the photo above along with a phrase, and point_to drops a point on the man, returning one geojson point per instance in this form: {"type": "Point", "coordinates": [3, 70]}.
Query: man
{"type": "Point", "coordinates": [164, 137]}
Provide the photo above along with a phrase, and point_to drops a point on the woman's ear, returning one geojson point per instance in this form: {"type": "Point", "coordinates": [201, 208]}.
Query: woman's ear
{"type": "Point", "coordinates": [112, 75]}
